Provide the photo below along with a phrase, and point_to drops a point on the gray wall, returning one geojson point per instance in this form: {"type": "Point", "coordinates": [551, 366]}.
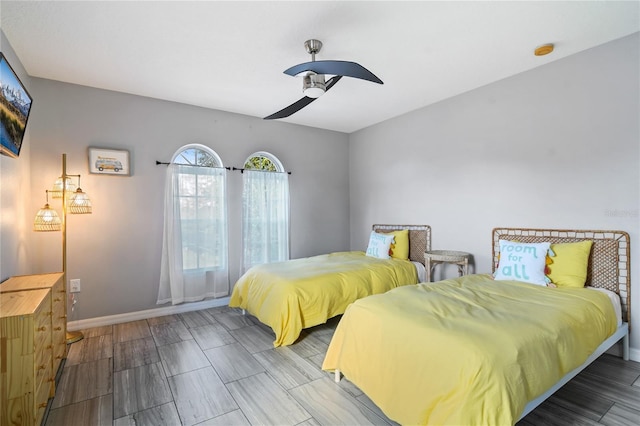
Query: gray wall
{"type": "Point", "coordinates": [116, 250]}
{"type": "Point", "coordinates": [15, 218]}
{"type": "Point", "coordinates": [555, 147]}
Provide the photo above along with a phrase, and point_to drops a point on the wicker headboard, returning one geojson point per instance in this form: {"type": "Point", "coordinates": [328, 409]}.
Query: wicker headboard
{"type": "Point", "coordinates": [419, 239]}
{"type": "Point", "coordinates": [608, 262]}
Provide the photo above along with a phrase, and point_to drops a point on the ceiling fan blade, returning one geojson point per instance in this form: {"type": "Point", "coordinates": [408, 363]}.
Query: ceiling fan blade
{"type": "Point", "coordinates": [343, 68]}
{"type": "Point", "coordinates": [298, 105]}
{"type": "Point", "coordinates": [293, 108]}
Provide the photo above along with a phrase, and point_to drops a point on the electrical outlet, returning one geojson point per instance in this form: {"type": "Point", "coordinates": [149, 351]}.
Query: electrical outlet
{"type": "Point", "coordinates": [75, 286]}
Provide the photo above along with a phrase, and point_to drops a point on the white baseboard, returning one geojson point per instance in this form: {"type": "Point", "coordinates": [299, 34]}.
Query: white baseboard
{"type": "Point", "coordinates": [616, 350]}
{"type": "Point", "coordinates": [149, 313]}
{"type": "Point", "coordinates": [634, 354]}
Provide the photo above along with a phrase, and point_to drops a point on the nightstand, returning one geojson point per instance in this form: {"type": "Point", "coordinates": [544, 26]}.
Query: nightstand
{"type": "Point", "coordinates": [436, 257]}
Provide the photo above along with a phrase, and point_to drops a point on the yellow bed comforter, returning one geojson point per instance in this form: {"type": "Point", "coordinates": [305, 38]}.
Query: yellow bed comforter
{"type": "Point", "coordinates": [467, 351]}
{"type": "Point", "coordinates": [296, 294]}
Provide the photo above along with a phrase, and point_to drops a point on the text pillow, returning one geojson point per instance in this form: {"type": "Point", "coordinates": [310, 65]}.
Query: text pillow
{"type": "Point", "coordinates": [522, 262]}
{"type": "Point", "coordinates": [379, 245]}
{"type": "Point", "coordinates": [568, 267]}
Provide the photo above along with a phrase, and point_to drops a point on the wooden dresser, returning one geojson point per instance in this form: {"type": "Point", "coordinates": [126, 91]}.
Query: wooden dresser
{"type": "Point", "coordinates": [32, 345]}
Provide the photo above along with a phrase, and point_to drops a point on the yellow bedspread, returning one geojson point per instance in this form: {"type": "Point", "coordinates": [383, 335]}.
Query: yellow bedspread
{"type": "Point", "coordinates": [467, 351]}
{"type": "Point", "coordinates": [301, 293]}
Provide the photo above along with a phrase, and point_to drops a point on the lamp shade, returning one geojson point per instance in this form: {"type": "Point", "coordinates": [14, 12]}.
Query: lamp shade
{"type": "Point", "coordinates": [56, 191]}
{"type": "Point", "coordinates": [47, 219]}
{"type": "Point", "coordinates": [79, 203]}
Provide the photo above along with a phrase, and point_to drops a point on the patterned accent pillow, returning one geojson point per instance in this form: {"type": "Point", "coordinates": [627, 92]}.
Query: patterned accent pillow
{"type": "Point", "coordinates": [400, 246]}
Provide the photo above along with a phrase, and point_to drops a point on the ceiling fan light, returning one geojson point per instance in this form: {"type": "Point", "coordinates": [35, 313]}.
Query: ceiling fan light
{"type": "Point", "coordinates": [313, 85]}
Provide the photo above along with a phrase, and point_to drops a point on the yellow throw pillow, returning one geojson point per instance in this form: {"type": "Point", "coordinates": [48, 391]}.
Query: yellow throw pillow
{"type": "Point", "coordinates": [569, 267]}
{"type": "Point", "coordinates": [400, 246]}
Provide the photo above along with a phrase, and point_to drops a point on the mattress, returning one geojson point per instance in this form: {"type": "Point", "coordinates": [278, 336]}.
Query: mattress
{"type": "Point", "coordinates": [615, 302]}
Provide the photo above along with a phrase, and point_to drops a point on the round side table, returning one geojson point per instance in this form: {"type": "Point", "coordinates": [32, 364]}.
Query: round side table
{"type": "Point", "coordinates": [436, 257]}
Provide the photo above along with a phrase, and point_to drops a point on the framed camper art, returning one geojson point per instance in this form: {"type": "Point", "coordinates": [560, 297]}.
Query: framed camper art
{"type": "Point", "coordinates": [15, 105]}
{"type": "Point", "coordinates": [109, 161]}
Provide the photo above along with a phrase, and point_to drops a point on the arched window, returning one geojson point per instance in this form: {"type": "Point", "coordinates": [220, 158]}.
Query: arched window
{"type": "Point", "coordinates": [263, 161]}
{"type": "Point", "coordinates": [265, 211]}
{"type": "Point", "coordinates": [195, 241]}
{"type": "Point", "coordinates": [197, 155]}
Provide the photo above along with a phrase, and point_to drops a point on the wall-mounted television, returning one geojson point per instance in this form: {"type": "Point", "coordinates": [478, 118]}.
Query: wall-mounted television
{"type": "Point", "coordinates": [15, 105]}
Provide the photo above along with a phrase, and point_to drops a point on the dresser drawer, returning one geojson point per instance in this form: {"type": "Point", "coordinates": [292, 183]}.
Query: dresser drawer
{"type": "Point", "coordinates": [42, 336]}
{"type": "Point", "coordinates": [43, 313]}
{"type": "Point", "coordinates": [42, 399]}
{"type": "Point", "coordinates": [43, 366]}
{"type": "Point", "coordinates": [59, 346]}
{"type": "Point", "coordinates": [45, 376]}
{"type": "Point", "coordinates": [57, 302]}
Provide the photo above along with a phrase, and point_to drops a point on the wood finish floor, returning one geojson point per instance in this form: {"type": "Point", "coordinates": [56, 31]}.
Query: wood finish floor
{"type": "Point", "coordinates": [217, 367]}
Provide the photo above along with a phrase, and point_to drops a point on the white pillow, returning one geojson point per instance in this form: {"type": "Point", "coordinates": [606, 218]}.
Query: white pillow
{"type": "Point", "coordinates": [522, 262]}
{"type": "Point", "coordinates": [379, 245]}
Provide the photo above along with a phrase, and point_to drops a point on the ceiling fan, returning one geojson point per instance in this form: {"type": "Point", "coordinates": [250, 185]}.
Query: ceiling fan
{"type": "Point", "coordinates": [313, 78]}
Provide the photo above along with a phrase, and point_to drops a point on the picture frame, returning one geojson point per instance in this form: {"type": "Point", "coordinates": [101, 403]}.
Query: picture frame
{"type": "Point", "coordinates": [15, 106]}
{"type": "Point", "coordinates": [103, 161]}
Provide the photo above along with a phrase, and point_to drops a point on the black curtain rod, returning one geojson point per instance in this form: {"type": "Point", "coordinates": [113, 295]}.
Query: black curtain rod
{"type": "Point", "coordinates": [228, 168]}
{"type": "Point", "coordinates": [190, 165]}
{"type": "Point", "coordinates": [253, 170]}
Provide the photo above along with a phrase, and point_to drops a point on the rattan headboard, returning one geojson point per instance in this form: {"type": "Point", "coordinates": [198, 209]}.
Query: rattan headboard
{"type": "Point", "coordinates": [608, 262]}
{"type": "Point", "coordinates": [419, 239]}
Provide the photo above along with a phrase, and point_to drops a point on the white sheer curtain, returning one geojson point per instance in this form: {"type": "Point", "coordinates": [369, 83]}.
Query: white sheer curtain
{"type": "Point", "coordinates": [195, 243]}
{"type": "Point", "coordinates": [265, 218]}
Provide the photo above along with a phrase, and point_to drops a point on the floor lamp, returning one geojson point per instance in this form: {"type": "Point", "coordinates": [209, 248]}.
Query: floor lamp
{"type": "Point", "coordinates": [74, 201]}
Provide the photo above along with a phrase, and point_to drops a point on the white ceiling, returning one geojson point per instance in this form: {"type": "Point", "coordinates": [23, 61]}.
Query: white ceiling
{"type": "Point", "coordinates": [231, 55]}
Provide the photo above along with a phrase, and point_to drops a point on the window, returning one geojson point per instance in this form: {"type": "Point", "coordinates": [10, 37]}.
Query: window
{"type": "Point", "coordinates": [265, 211]}
{"type": "Point", "coordinates": [201, 199]}
{"type": "Point", "coordinates": [194, 255]}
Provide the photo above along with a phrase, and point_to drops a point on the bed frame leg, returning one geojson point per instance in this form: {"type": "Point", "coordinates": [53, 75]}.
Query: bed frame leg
{"type": "Point", "coordinates": [336, 376]}
{"type": "Point", "coordinates": [625, 347]}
